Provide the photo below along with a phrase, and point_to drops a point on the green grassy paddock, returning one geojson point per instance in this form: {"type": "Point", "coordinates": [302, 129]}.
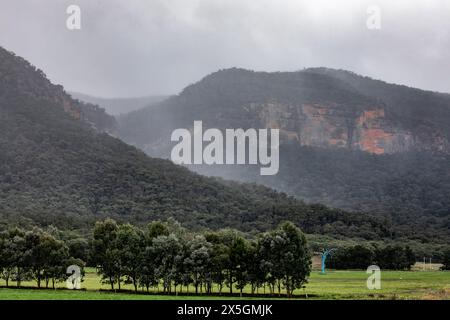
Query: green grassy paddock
{"type": "Point", "coordinates": [333, 285]}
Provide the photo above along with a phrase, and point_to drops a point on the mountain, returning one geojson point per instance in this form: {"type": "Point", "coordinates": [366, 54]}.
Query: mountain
{"type": "Point", "coordinates": [19, 77]}
{"type": "Point", "coordinates": [117, 106]}
{"type": "Point", "coordinates": [315, 107]}
{"type": "Point", "coordinates": [57, 167]}
{"type": "Point", "coordinates": [419, 117]}
{"type": "Point", "coordinates": [347, 141]}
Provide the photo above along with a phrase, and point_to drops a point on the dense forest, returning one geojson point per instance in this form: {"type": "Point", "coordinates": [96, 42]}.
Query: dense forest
{"type": "Point", "coordinates": [56, 169]}
{"type": "Point", "coordinates": [409, 189]}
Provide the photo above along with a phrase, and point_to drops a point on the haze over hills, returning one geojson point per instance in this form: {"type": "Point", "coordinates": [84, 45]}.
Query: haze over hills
{"type": "Point", "coordinates": [117, 106]}
{"type": "Point", "coordinates": [346, 141]}
{"type": "Point", "coordinates": [18, 76]}
{"type": "Point", "coordinates": [58, 167]}
{"type": "Point", "coordinates": [315, 107]}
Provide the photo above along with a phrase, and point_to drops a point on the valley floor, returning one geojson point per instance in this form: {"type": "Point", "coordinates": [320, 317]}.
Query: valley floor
{"type": "Point", "coordinates": [333, 285]}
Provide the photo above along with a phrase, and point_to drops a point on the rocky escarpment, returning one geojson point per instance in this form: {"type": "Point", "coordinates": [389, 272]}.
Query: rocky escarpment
{"type": "Point", "coordinates": [336, 126]}
{"type": "Point", "coordinates": [314, 107]}
{"type": "Point", "coordinates": [346, 141]}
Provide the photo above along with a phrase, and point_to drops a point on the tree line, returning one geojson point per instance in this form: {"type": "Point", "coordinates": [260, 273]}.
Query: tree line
{"type": "Point", "coordinates": [390, 257]}
{"type": "Point", "coordinates": [278, 260]}
{"type": "Point", "coordinates": [167, 258]}
{"type": "Point", "coordinates": [163, 256]}
{"type": "Point", "coordinates": [34, 254]}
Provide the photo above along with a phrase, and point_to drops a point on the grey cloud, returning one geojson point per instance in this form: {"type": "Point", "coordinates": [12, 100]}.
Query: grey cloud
{"type": "Point", "coordinates": [141, 47]}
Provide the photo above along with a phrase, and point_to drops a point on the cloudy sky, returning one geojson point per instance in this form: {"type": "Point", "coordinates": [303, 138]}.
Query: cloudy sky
{"type": "Point", "coordinates": [140, 47]}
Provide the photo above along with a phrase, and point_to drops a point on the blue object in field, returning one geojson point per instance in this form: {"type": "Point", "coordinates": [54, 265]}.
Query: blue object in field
{"type": "Point", "coordinates": [325, 254]}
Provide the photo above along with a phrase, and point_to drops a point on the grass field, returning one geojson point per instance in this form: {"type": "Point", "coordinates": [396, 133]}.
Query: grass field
{"type": "Point", "coordinates": [333, 285]}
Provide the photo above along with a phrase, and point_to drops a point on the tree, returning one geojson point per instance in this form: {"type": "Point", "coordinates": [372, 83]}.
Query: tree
{"type": "Point", "coordinates": [239, 260]}
{"type": "Point", "coordinates": [105, 252]}
{"type": "Point", "coordinates": [395, 257]}
{"type": "Point", "coordinates": [130, 244]}
{"type": "Point", "coordinates": [294, 259]}
{"type": "Point", "coordinates": [168, 253]}
{"type": "Point", "coordinates": [267, 261]}
{"type": "Point", "coordinates": [225, 240]}
{"type": "Point", "coordinates": [220, 257]}
{"type": "Point", "coordinates": [255, 274]}
{"type": "Point", "coordinates": [79, 249]}
{"type": "Point", "coordinates": [57, 261]}
{"type": "Point", "coordinates": [5, 257]}
{"type": "Point", "coordinates": [147, 275]}
{"type": "Point", "coordinates": [12, 255]}
{"type": "Point", "coordinates": [356, 257]}
{"type": "Point", "coordinates": [16, 248]}
{"type": "Point", "coordinates": [198, 261]}
{"type": "Point", "coordinates": [156, 229]}
{"type": "Point", "coordinates": [446, 260]}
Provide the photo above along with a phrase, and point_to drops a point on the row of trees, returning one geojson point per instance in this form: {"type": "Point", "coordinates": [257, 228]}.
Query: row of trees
{"type": "Point", "coordinates": [360, 257]}
{"type": "Point", "coordinates": [165, 254]}
{"type": "Point", "coordinates": [145, 258]}
{"type": "Point", "coordinates": [162, 254]}
{"type": "Point", "coordinates": [34, 255]}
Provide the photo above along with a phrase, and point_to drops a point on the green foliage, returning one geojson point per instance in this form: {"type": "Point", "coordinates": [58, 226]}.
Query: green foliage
{"type": "Point", "coordinates": [35, 254]}
{"type": "Point", "coordinates": [55, 169]}
{"type": "Point", "coordinates": [48, 157]}
{"type": "Point", "coordinates": [284, 258]}
{"type": "Point", "coordinates": [407, 191]}
{"type": "Point", "coordinates": [360, 257]}
{"type": "Point", "coordinates": [446, 260]}
{"type": "Point", "coordinates": [183, 259]}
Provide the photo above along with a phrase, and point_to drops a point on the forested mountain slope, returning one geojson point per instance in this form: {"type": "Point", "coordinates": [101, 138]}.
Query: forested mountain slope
{"type": "Point", "coordinates": [56, 168]}
{"type": "Point", "coordinates": [347, 141]}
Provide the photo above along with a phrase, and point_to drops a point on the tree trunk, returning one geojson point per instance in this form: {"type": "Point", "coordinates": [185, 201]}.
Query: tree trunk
{"type": "Point", "coordinates": [112, 283]}
{"type": "Point", "coordinates": [18, 277]}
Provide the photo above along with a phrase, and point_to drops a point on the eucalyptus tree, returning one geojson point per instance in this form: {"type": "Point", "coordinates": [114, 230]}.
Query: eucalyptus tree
{"type": "Point", "coordinates": [104, 251]}
{"type": "Point", "coordinates": [240, 260]}
{"type": "Point", "coordinates": [147, 273]}
{"type": "Point", "coordinates": [198, 261]}
{"type": "Point", "coordinates": [6, 257]}
{"type": "Point", "coordinates": [44, 254]}
{"type": "Point", "coordinates": [157, 228]}
{"type": "Point", "coordinates": [16, 251]}
{"type": "Point", "coordinates": [168, 253]}
{"type": "Point", "coordinates": [130, 245]}
{"type": "Point", "coordinates": [294, 257]}
{"type": "Point", "coordinates": [219, 259]}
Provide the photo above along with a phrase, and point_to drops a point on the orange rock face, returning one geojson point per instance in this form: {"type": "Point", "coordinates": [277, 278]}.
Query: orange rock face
{"type": "Point", "coordinates": [335, 126]}
{"type": "Point", "coordinates": [377, 136]}
{"type": "Point", "coordinates": [70, 109]}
